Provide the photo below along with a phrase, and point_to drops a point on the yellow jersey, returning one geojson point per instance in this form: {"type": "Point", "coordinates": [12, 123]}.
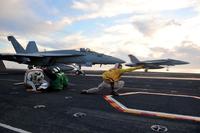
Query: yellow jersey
{"type": "Point", "coordinates": [114, 74]}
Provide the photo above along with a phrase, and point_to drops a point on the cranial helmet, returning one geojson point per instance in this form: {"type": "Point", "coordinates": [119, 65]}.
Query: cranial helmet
{"type": "Point", "coordinates": [37, 73]}
{"type": "Point", "coordinates": [38, 76]}
{"type": "Point", "coordinates": [54, 70]}
{"type": "Point", "coordinates": [58, 69]}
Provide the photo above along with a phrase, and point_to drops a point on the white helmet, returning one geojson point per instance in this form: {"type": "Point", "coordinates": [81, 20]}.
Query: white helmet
{"type": "Point", "coordinates": [54, 70]}
{"type": "Point", "coordinates": [58, 69]}
{"type": "Point", "coordinates": [38, 75]}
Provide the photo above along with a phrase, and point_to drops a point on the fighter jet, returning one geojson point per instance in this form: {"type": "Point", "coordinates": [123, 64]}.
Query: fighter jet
{"type": "Point", "coordinates": [154, 64]}
{"type": "Point", "coordinates": [61, 58]}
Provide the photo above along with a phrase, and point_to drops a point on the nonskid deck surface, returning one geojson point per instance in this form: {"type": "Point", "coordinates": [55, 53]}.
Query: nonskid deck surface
{"type": "Point", "coordinates": [70, 111]}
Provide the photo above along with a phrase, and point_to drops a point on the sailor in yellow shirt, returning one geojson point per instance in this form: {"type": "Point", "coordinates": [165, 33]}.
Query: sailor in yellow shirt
{"type": "Point", "coordinates": [111, 79]}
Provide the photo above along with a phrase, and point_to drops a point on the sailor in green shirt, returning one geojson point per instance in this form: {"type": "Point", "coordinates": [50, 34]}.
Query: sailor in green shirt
{"type": "Point", "coordinates": [58, 80]}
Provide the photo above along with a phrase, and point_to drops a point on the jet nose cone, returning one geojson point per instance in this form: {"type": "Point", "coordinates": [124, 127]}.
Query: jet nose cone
{"type": "Point", "coordinates": [117, 60]}
{"type": "Point", "coordinates": [111, 60]}
{"type": "Point", "coordinates": [179, 62]}
{"type": "Point", "coordinates": [184, 62]}
{"type": "Point", "coordinates": [121, 61]}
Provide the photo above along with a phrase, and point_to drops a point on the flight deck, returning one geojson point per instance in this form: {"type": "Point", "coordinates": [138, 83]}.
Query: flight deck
{"type": "Point", "coordinates": [70, 111]}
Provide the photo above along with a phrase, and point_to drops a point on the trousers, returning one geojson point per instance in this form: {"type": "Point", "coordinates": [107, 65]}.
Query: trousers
{"type": "Point", "coordinates": [117, 86]}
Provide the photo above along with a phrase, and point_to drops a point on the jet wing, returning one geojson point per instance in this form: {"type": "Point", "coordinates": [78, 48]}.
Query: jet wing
{"type": "Point", "coordinates": [38, 55]}
{"type": "Point", "coordinates": [154, 62]}
{"type": "Point", "coordinates": [164, 62]}
{"type": "Point", "coordinates": [14, 57]}
{"type": "Point", "coordinates": [26, 58]}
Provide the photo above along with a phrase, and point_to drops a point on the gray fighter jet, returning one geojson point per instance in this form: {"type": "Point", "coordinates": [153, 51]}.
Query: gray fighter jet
{"type": "Point", "coordinates": [61, 58]}
{"type": "Point", "coordinates": [154, 64]}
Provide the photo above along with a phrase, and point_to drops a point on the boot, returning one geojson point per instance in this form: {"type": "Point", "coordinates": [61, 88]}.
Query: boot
{"type": "Point", "coordinates": [114, 93]}
{"type": "Point", "coordinates": [84, 92]}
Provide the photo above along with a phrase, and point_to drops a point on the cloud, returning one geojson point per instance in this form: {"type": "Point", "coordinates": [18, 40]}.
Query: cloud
{"type": "Point", "coordinates": [197, 7]}
{"type": "Point", "coordinates": [111, 40]}
{"type": "Point", "coordinates": [149, 24]}
{"type": "Point", "coordinates": [22, 17]}
{"type": "Point", "coordinates": [14, 15]}
{"type": "Point", "coordinates": [138, 27]}
{"type": "Point", "coordinates": [186, 51]}
{"type": "Point", "coordinates": [87, 5]}
{"type": "Point", "coordinates": [112, 8]}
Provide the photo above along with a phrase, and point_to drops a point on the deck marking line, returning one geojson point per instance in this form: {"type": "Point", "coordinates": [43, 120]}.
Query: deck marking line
{"type": "Point", "coordinates": [13, 128]}
{"type": "Point", "coordinates": [119, 106]}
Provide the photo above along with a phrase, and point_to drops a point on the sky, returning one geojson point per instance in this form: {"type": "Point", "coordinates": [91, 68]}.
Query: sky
{"type": "Point", "coordinates": [148, 29]}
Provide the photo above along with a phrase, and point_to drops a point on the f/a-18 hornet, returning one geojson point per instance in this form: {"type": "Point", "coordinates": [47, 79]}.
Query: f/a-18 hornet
{"type": "Point", "coordinates": [154, 64]}
{"type": "Point", "coordinates": [61, 58]}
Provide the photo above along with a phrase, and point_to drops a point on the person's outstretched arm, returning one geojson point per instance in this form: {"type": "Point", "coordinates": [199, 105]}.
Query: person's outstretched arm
{"type": "Point", "coordinates": [131, 69]}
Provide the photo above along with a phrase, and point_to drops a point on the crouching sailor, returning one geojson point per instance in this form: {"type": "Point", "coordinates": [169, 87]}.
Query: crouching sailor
{"type": "Point", "coordinates": [34, 78]}
{"type": "Point", "coordinates": [111, 79]}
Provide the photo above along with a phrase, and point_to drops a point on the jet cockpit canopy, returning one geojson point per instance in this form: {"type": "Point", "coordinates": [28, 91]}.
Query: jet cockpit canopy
{"type": "Point", "coordinates": [85, 50]}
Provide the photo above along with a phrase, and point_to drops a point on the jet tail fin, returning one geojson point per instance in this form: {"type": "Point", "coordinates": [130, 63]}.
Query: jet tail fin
{"type": "Point", "coordinates": [18, 48]}
{"type": "Point", "coordinates": [31, 47]}
{"type": "Point", "coordinates": [133, 58]}
{"type": "Point", "coordinates": [2, 66]}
